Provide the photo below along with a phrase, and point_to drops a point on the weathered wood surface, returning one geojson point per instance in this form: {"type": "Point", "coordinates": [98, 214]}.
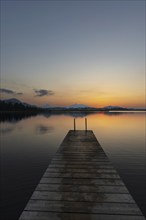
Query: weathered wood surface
{"type": "Point", "coordinates": [81, 183]}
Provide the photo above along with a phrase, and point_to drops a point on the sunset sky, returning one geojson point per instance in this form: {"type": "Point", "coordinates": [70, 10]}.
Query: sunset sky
{"type": "Point", "coordinates": [67, 52]}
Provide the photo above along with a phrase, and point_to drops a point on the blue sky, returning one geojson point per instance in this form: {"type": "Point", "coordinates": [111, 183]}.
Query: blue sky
{"type": "Point", "coordinates": [90, 52]}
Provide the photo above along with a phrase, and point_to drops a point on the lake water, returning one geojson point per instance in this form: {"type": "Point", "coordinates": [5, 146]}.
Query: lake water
{"type": "Point", "coordinates": [28, 144]}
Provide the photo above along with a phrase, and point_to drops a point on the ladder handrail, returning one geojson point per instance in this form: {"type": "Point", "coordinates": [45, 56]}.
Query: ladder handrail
{"type": "Point", "coordinates": [85, 124]}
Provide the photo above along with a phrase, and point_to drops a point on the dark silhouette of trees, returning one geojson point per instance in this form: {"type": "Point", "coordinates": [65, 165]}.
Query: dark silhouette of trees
{"type": "Point", "coordinates": [17, 107]}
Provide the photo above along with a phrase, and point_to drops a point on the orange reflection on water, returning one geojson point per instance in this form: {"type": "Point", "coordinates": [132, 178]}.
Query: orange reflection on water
{"type": "Point", "coordinates": [119, 128]}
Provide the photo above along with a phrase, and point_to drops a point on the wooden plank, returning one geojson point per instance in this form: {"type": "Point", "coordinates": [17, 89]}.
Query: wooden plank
{"type": "Point", "coordinates": [88, 148]}
{"type": "Point", "coordinates": [82, 166]}
{"type": "Point", "coordinates": [28, 215]}
{"type": "Point", "coordinates": [101, 197]}
{"type": "Point", "coordinates": [82, 175]}
{"type": "Point", "coordinates": [78, 160]}
{"type": "Point", "coordinates": [66, 158]}
{"type": "Point", "coordinates": [81, 155]}
{"type": "Point", "coordinates": [81, 188]}
{"type": "Point", "coordinates": [87, 152]}
{"type": "Point", "coordinates": [83, 207]}
{"type": "Point", "coordinates": [79, 181]}
{"type": "Point", "coordinates": [81, 163]}
{"type": "Point", "coordinates": [77, 170]}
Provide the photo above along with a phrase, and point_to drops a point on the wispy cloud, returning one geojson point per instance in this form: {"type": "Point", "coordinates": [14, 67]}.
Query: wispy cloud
{"type": "Point", "coordinates": [10, 92]}
{"type": "Point", "coordinates": [43, 92]}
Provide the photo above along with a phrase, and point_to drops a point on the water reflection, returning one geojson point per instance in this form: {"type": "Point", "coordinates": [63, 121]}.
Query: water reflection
{"type": "Point", "coordinates": [42, 129]}
{"type": "Point", "coordinates": [15, 117]}
{"type": "Point", "coordinates": [74, 114]}
{"type": "Point", "coordinates": [113, 113]}
{"type": "Point", "coordinates": [122, 113]}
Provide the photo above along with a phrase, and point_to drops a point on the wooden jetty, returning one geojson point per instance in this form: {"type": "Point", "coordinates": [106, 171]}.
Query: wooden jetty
{"type": "Point", "coordinates": [81, 183]}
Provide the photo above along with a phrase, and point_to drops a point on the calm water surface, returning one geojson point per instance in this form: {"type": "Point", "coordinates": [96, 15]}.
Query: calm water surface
{"type": "Point", "coordinates": [28, 144]}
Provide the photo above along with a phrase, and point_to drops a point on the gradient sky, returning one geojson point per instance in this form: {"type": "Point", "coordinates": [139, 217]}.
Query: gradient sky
{"type": "Point", "coordinates": [67, 52]}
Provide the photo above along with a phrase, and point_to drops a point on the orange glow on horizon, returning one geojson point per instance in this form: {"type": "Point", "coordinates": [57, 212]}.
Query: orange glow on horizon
{"type": "Point", "coordinates": [89, 100]}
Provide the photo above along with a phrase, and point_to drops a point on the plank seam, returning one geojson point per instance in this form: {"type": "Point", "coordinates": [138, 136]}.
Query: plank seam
{"type": "Point", "coordinates": [27, 210]}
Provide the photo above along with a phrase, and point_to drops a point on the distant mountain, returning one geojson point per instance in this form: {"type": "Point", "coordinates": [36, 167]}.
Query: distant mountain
{"type": "Point", "coordinates": [114, 108]}
{"type": "Point", "coordinates": [83, 107]}
{"type": "Point", "coordinates": [77, 106]}
{"type": "Point", "coordinates": [17, 101]}
{"type": "Point", "coordinates": [16, 105]}
{"type": "Point", "coordinates": [12, 101]}
{"type": "Point", "coordinates": [47, 106]}
{"type": "Point", "coordinates": [71, 107]}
